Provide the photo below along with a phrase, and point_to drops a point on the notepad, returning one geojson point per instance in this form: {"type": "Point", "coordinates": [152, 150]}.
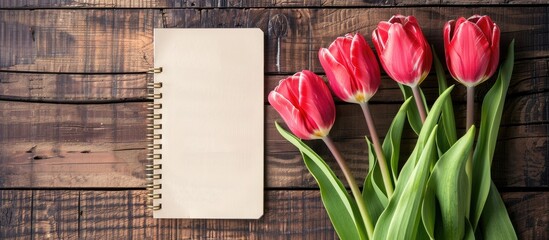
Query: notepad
{"type": "Point", "coordinates": [206, 124]}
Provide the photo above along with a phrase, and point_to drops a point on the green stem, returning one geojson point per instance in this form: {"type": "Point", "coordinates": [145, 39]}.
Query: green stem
{"type": "Point", "coordinates": [470, 107]}
{"type": "Point", "coordinates": [377, 148]}
{"type": "Point", "coordinates": [354, 188]}
{"type": "Point", "coordinates": [469, 122]}
{"type": "Point", "coordinates": [419, 103]}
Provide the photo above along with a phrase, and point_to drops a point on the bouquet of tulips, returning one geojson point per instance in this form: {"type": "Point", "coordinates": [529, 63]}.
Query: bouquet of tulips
{"type": "Point", "coordinates": [444, 189]}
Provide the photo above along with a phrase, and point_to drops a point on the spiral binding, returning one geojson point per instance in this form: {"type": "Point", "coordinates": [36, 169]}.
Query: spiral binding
{"type": "Point", "coordinates": [154, 146]}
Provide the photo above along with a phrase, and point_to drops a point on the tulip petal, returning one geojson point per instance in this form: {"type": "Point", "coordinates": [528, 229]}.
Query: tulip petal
{"type": "Point", "coordinates": [339, 49]}
{"type": "Point", "coordinates": [365, 67]}
{"type": "Point", "coordinates": [398, 18]}
{"type": "Point", "coordinates": [459, 21]}
{"type": "Point", "coordinates": [291, 115]}
{"type": "Point", "coordinates": [485, 24]}
{"type": "Point", "coordinates": [338, 76]}
{"type": "Point", "coordinates": [470, 54]}
{"type": "Point", "coordinates": [316, 101]}
{"type": "Point", "coordinates": [494, 60]}
{"type": "Point", "coordinates": [289, 89]}
{"type": "Point", "coordinates": [402, 58]}
{"type": "Point", "coordinates": [448, 31]}
{"type": "Point", "coordinates": [380, 35]}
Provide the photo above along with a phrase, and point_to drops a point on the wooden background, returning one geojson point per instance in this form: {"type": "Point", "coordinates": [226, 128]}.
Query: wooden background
{"type": "Point", "coordinates": [73, 105]}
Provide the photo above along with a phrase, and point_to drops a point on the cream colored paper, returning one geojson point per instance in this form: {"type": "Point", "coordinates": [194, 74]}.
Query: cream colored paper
{"type": "Point", "coordinates": [212, 123]}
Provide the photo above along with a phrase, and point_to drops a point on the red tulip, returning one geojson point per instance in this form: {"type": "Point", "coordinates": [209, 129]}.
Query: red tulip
{"type": "Point", "coordinates": [472, 49]}
{"type": "Point", "coordinates": [402, 49]}
{"type": "Point", "coordinates": [306, 105]}
{"type": "Point", "coordinates": [352, 68]}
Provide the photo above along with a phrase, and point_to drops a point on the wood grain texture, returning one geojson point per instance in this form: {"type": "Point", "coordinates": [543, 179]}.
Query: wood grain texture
{"type": "Point", "coordinates": [288, 215]}
{"type": "Point", "coordinates": [114, 215]}
{"type": "Point", "coordinates": [529, 76]}
{"type": "Point", "coordinates": [33, 4]}
{"type": "Point", "coordinates": [15, 214]}
{"type": "Point", "coordinates": [60, 145]}
{"type": "Point", "coordinates": [96, 41]}
{"type": "Point", "coordinates": [55, 214]}
{"type": "Point", "coordinates": [103, 145]}
{"type": "Point", "coordinates": [43, 41]}
{"type": "Point", "coordinates": [294, 214]}
{"type": "Point", "coordinates": [73, 88]}
{"type": "Point", "coordinates": [529, 213]}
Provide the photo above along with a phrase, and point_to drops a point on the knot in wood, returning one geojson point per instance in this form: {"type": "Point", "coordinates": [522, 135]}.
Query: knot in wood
{"type": "Point", "coordinates": [278, 25]}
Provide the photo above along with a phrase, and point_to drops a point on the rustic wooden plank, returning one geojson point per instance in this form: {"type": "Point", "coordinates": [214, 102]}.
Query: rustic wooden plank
{"type": "Point", "coordinates": [90, 42]}
{"type": "Point", "coordinates": [55, 214]}
{"type": "Point", "coordinates": [60, 145]}
{"type": "Point", "coordinates": [357, 3]}
{"type": "Point", "coordinates": [300, 214]}
{"type": "Point", "coordinates": [77, 40]}
{"type": "Point", "coordinates": [529, 212]}
{"type": "Point", "coordinates": [37, 4]}
{"type": "Point", "coordinates": [522, 161]}
{"type": "Point", "coordinates": [115, 215]}
{"type": "Point", "coordinates": [294, 214]}
{"type": "Point", "coordinates": [73, 87]}
{"type": "Point", "coordinates": [529, 76]}
{"type": "Point", "coordinates": [467, 2]}
{"type": "Point", "coordinates": [15, 214]}
{"type": "Point", "coordinates": [103, 145]}
{"type": "Point", "coordinates": [288, 214]}
{"type": "Point", "coordinates": [33, 4]}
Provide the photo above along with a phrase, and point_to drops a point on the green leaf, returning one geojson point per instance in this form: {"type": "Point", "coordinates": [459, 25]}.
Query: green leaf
{"type": "Point", "coordinates": [447, 137]}
{"type": "Point", "coordinates": [469, 233]}
{"type": "Point", "coordinates": [391, 144]}
{"type": "Point", "coordinates": [494, 222]}
{"type": "Point", "coordinates": [492, 108]}
{"type": "Point", "coordinates": [375, 199]}
{"type": "Point", "coordinates": [413, 114]}
{"type": "Point", "coordinates": [341, 208]}
{"type": "Point", "coordinates": [426, 130]}
{"type": "Point", "coordinates": [429, 211]}
{"type": "Point", "coordinates": [449, 184]}
{"type": "Point", "coordinates": [401, 218]}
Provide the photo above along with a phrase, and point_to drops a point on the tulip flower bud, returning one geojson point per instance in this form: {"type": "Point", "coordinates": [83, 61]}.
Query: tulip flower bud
{"type": "Point", "coordinates": [402, 49]}
{"type": "Point", "coordinates": [472, 49]}
{"type": "Point", "coordinates": [306, 105]}
{"type": "Point", "coordinates": [352, 68]}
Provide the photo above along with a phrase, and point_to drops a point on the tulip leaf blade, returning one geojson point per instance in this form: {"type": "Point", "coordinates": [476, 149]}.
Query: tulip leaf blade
{"type": "Point", "coordinates": [391, 143]}
{"type": "Point", "coordinates": [448, 185]}
{"type": "Point", "coordinates": [428, 126]}
{"type": "Point", "coordinates": [341, 208]}
{"type": "Point", "coordinates": [372, 194]}
{"type": "Point", "coordinates": [492, 109]}
{"type": "Point", "coordinates": [401, 218]}
{"type": "Point", "coordinates": [429, 211]}
{"type": "Point", "coordinates": [494, 222]}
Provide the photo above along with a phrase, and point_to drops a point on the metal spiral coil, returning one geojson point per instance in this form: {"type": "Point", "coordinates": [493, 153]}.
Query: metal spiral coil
{"type": "Point", "coordinates": [154, 95]}
{"type": "Point", "coordinates": [154, 116]}
{"type": "Point", "coordinates": [152, 167]}
{"type": "Point", "coordinates": [153, 138]}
